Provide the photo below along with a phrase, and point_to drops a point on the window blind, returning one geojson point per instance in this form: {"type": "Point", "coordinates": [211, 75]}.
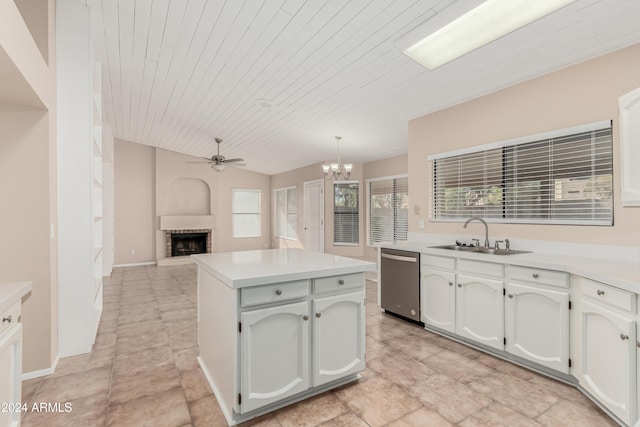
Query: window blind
{"type": "Point", "coordinates": [287, 213]}
{"type": "Point", "coordinates": [346, 221]}
{"type": "Point", "coordinates": [245, 213]}
{"type": "Point", "coordinates": [565, 179]}
{"type": "Point", "coordinates": [388, 209]}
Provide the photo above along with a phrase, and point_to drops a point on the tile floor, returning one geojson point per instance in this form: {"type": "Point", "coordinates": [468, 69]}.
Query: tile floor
{"type": "Point", "coordinates": [143, 372]}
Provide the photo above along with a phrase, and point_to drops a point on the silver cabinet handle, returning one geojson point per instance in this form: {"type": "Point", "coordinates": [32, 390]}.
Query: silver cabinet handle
{"type": "Point", "coordinates": [450, 283]}
{"type": "Point", "coordinates": [459, 285]}
{"type": "Point", "coordinates": [624, 337]}
{"type": "Point", "coordinates": [318, 314]}
{"type": "Point", "coordinates": [534, 275]}
{"type": "Point", "coordinates": [340, 282]}
{"type": "Point", "coordinates": [305, 317]}
{"type": "Point", "coordinates": [278, 292]}
{"type": "Point", "coordinates": [7, 319]}
{"type": "Point", "coordinates": [599, 292]}
{"type": "Point", "coordinates": [510, 295]}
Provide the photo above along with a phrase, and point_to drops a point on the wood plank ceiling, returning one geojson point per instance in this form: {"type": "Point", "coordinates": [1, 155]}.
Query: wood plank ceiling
{"type": "Point", "coordinates": [277, 79]}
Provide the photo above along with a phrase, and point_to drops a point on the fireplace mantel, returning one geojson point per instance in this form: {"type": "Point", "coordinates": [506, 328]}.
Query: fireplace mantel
{"type": "Point", "coordinates": [187, 222]}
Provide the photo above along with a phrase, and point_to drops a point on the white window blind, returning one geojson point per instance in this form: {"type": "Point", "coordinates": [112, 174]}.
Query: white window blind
{"type": "Point", "coordinates": [565, 179]}
{"type": "Point", "coordinates": [388, 209]}
{"type": "Point", "coordinates": [346, 222]}
{"type": "Point", "coordinates": [245, 212]}
{"type": "Point", "coordinates": [287, 213]}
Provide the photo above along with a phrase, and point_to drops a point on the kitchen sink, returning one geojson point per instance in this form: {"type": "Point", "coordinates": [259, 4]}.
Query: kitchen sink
{"type": "Point", "coordinates": [481, 250]}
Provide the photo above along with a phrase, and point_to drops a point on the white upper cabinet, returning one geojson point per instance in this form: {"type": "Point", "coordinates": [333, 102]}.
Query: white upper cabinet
{"type": "Point", "coordinates": [629, 106]}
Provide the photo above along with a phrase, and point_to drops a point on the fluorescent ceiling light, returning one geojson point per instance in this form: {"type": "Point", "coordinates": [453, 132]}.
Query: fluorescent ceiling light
{"type": "Point", "coordinates": [478, 27]}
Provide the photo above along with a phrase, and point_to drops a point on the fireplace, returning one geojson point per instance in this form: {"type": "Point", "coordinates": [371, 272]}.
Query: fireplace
{"type": "Point", "coordinates": [188, 242]}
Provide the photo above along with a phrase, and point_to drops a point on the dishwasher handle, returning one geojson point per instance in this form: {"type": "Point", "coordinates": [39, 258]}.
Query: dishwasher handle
{"type": "Point", "coordinates": [399, 258]}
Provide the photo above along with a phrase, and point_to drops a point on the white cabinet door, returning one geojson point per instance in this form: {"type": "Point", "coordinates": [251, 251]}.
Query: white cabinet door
{"type": "Point", "coordinates": [11, 375]}
{"type": "Point", "coordinates": [537, 325]}
{"type": "Point", "coordinates": [480, 310]}
{"type": "Point", "coordinates": [438, 299]}
{"type": "Point", "coordinates": [274, 354]}
{"type": "Point", "coordinates": [338, 336]}
{"type": "Point", "coordinates": [607, 368]}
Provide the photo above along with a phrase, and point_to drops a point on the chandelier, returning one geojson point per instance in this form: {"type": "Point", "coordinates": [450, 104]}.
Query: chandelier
{"type": "Point", "coordinates": [338, 169]}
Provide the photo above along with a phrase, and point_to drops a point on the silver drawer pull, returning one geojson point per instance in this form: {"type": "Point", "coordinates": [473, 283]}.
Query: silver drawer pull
{"type": "Point", "coordinates": [278, 292]}
{"type": "Point", "coordinates": [7, 319]}
{"type": "Point", "coordinates": [459, 285]}
{"type": "Point", "coordinates": [624, 337]}
{"type": "Point", "coordinates": [534, 275]}
{"type": "Point", "coordinates": [599, 292]}
{"type": "Point", "coordinates": [305, 317]}
{"type": "Point", "coordinates": [510, 295]}
{"type": "Point", "coordinates": [450, 283]}
{"type": "Point", "coordinates": [340, 282]}
{"type": "Point", "coordinates": [318, 314]}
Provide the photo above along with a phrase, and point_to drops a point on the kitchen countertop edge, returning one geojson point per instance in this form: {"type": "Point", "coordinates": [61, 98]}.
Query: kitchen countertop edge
{"type": "Point", "coordinates": [12, 292]}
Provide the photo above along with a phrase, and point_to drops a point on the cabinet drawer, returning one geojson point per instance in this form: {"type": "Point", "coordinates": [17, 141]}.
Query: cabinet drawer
{"type": "Point", "coordinates": [338, 283]}
{"type": "Point", "coordinates": [438, 261]}
{"type": "Point", "coordinates": [273, 293]}
{"type": "Point", "coordinates": [481, 268]}
{"type": "Point", "coordinates": [9, 317]}
{"type": "Point", "coordinates": [538, 275]}
{"type": "Point", "coordinates": [608, 294]}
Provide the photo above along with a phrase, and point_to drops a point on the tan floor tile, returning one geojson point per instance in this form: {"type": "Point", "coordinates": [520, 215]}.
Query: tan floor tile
{"type": "Point", "coordinates": [514, 393]}
{"type": "Point", "coordinates": [186, 359]}
{"type": "Point", "coordinates": [130, 387]}
{"type": "Point", "coordinates": [138, 316]}
{"type": "Point", "coordinates": [73, 386]}
{"type": "Point", "coordinates": [506, 367]}
{"type": "Point", "coordinates": [135, 329]}
{"type": "Point", "coordinates": [569, 414]}
{"type": "Point", "coordinates": [415, 346]}
{"type": "Point", "coordinates": [451, 399]}
{"type": "Point", "coordinates": [400, 369]}
{"type": "Point", "coordinates": [561, 390]}
{"type": "Point", "coordinates": [345, 420]}
{"type": "Point", "coordinates": [29, 388]}
{"type": "Point", "coordinates": [194, 384]}
{"type": "Point", "coordinates": [457, 366]}
{"type": "Point", "coordinates": [205, 412]}
{"type": "Point", "coordinates": [126, 299]}
{"type": "Point", "coordinates": [168, 408]}
{"type": "Point", "coordinates": [457, 347]}
{"type": "Point", "coordinates": [144, 340]}
{"type": "Point", "coordinates": [172, 316]}
{"type": "Point", "coordinates": [186, 339]}
{"type": "Point", "coordinates": [377, 401]}
{"type": "Point", "coordinates": [375, 348]}
{"type": "Point", "coordinates": [497, 415]}
{"type": "Point", "coordinates": [422, 417]}
{"type": "Point", "coordinates": [386, 330]}
{"type": "Point", "coordinates": [84, 411]}
{"type": "Point", "coordinates": [127, 364]}
{"type": "Point", "coordinates": [311, 412]}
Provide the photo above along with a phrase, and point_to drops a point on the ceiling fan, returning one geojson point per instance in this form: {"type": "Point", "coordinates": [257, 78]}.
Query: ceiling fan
{"type": "Point", "coordinates": [219, 162]}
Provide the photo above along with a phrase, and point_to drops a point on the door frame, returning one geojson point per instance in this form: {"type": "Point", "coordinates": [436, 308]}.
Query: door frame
{"type": "Point", "coordinates": [320, 202]}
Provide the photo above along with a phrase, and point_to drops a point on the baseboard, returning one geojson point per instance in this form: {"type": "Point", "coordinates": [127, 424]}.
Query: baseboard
{"type": "Point", "coordinates": [135, 264]}
{"type": "Point", "coordinates": [42, 372]}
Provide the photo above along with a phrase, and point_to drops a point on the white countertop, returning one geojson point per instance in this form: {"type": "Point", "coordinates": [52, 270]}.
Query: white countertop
{"type": "Point", "coordinates": [12, 292]}
{"type": "Point", "coordinates": [260, 267]}
{"type": "Point", "coordinates": [621, 274]}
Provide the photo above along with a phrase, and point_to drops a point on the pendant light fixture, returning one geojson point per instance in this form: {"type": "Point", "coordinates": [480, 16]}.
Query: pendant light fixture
{"type": "Point", "coordinates": [338, 169]}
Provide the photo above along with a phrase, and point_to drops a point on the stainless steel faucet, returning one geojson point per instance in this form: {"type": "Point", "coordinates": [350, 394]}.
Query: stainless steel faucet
{"type": "Point", "coordinates": [486, 228]}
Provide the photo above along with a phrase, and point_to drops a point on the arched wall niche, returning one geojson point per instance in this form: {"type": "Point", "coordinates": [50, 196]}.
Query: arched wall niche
{"type": "Point", "coordinates": [188, 196]}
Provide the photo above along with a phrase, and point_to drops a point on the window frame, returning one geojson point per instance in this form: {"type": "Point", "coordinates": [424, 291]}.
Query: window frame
{"type": "Point", "coordinates": [347, 182]}
{"type": "Point", "coordinates": [510, 179]}
{"type": "Point", "coordinates": [277, 233]}
{"type": "Point", "coordinates": [258, 214]}
{"type": "Point", "coordinates": [393, 178]}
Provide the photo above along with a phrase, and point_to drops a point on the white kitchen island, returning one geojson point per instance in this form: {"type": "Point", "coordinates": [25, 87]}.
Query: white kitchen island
{"type": "Point", "coordinates": [277, 326]}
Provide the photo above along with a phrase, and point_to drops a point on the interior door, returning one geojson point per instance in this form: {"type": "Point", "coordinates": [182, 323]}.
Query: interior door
{"type": "Point", "coordinates": [314, 215]}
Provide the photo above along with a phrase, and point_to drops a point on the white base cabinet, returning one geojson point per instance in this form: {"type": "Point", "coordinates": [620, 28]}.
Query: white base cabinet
{"type": "Point", "coordinates": [438, 295]}
{"type": "Point", "coordinates": [11, 375]}
{"type": "Point", "coordinates": [537, 325]}
{"type": "Point", "coordinates": [480, 310]}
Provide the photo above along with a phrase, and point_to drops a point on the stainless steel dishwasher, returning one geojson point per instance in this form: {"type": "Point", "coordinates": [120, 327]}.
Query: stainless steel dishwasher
{"type": "Point", "coordinates": [400, 283]}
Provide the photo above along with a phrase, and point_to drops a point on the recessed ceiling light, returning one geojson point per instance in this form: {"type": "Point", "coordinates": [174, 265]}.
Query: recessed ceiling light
{"type": "Point", "coordinates": [481, 25]}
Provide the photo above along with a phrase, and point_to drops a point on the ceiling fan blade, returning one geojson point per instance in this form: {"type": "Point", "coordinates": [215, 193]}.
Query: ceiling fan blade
{"type": "Point", "coordinates": [235, 164]}
{"type": "Point", "coordinates": [201, 162]}
{"type": "Point", "coordinates": [233, 160]}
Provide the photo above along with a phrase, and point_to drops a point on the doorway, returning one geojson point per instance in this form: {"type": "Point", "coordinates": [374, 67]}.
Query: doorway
{"type": "Point", "coordinates": [314, 215]}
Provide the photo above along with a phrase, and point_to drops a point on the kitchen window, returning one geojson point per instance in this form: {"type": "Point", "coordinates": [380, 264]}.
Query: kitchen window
{"type": "Point", "coordinates": [346, 222]}
{"type": "Point", "coordinates": [286, 213]}
{"type": "Point", "coordinates": [245, 213]}
{"type": "Point", "coordinates": [562, 177]}
{"type": "Point", "coordinates": [388, 209]}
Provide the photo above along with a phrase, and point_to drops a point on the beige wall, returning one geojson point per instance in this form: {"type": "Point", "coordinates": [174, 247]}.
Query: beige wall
{"type": "Point", "coordinates": [361, 172]}
{"type": "Point", "coordinates": [26, 252]}
{"type": "Point", "coordinates": [134, 203]}
{"type": "Point", "coordinates": [580, 94]}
